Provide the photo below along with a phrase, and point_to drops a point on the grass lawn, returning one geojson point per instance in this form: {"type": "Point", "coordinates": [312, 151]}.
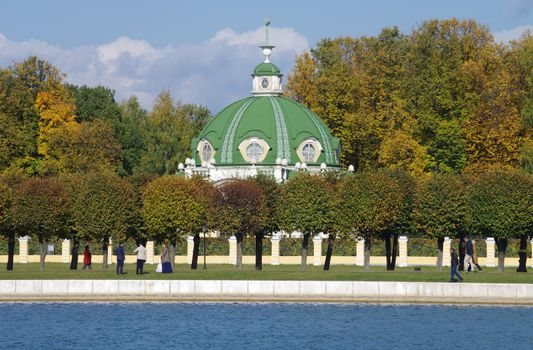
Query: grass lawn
{"type": "Point", "coordinates": [283, 272]}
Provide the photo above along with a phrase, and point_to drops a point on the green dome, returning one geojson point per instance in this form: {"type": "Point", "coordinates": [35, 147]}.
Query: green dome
{"type": "Point", "coordinates": [266, 69]}
{"type": "Point", "coordinates": [282, 124]}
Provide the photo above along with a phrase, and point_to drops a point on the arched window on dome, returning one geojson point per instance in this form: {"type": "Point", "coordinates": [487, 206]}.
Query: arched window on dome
{"type": "Point", "coordinates": [254, 152]}
{"type": "Point", "coordinates": [309, 151]}
{"type": "Point", "coordinates": [206, 151]}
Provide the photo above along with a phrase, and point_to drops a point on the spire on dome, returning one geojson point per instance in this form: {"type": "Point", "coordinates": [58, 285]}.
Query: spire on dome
{"type": "Point", "coordinates": [267, 48]}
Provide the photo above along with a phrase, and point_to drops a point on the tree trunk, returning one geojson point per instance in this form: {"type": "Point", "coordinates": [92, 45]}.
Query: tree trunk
{"type": "Point", "coordinates": [522, 253]}
{"type": "Point", "coordinates": [195, 251]}
{"type": "Point", "coordinates": [105, 244]}
{"type": "Point", "coordinates": [329, 251]}
{"type": "Point", "coordinates": [259, 251]}
{"type": "Point", "coordinates": [440, 247]}
{"type": "Point", "coordinates": [462, 253]}
{"type": "Point", "coordinates": [10, 250]}
{"type": "Point", "coordinates": [387, 238]}
{"type": "Point", "coordinates": [42, 253]}
{"type": "Point", "coordinates": [239, 237]}
{"type": "Point", "coordinates": [501, 243]}
{"type": "Point", "coordinates": [394, 250]}
{"type": "Point", "coordinates": [74, 252]}
{"type": "Point", "coordinates": [305, 246]}
{"type": "Point", "coordinates": [172, 254]}
{"type": "Point", "coordinates": [368, 245]}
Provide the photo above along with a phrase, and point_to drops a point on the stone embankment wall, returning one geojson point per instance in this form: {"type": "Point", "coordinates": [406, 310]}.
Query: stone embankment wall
{"type": "Point", "coordinates": [424, 292]}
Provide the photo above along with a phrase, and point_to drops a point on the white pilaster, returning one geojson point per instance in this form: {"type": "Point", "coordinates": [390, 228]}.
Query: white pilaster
{"type": "Point", "coordinates": [23, 249]}
{"type": "Point", "coordinates": [402, 259]}
{"type": "Point", "coordinates": [150, 252]}
{"type": "Point", "coordinates": [275, 240]}
{"type": "Point", "coordinates": [491, 261]}
{"type": "Point", "coordinates": [360, 252]}
{"type": "Point", "coordinates": [65, 250]}
{"type": "Point", "coordinates": [110, 252]}
{"type": "Point", "coordinates": [232, 250]}
{"type": "Point", "coordinates": [317, 250]}
{"type": "Point", "coordinates": [190, 248]}
{"type": "Point", "coordinates": [446, 258]}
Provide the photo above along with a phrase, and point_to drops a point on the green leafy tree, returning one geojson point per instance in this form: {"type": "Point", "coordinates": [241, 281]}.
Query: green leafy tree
{"type": "Point", "coordinates": [104, 207]}
{"type": "Point", "coordinates": [6, 221]}
{"type": "Point", "coordinates": [307, 206]}
{"type": "Point", "coordinates": [238, 208]}
{"type": "Point", "coordinates": [441, 209]}
{"type": "Point", "coordinates": [41, 209]}
{"type": "Point", "coordinates": [369, 205]}
{"type": "Point", "coordinates": [404, 222]}
{"type": "Point", "coordinates": [501, 206]}
{"type": "Point", "coordinates": [131, 136]}
{"type": "Point", "coordinates": [169, 130]}
{"type": "Point", "coordinates": [271, 191]}
{"type": "Point", "coordinates": [173, 208]}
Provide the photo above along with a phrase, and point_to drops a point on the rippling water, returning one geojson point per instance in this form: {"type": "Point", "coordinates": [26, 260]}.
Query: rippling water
{"type": "Point", "coordinates": [262, 326]}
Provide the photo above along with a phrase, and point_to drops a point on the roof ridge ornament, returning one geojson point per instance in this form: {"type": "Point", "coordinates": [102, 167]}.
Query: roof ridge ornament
{"type": "Point", "coordinates": [267, 48]}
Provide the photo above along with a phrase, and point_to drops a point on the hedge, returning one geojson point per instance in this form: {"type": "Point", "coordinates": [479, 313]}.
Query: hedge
{"type": "Point", "coordinates": [416, 246]}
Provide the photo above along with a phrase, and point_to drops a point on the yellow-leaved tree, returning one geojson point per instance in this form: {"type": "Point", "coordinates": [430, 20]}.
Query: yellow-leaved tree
{"type": "Point", "coordinates": [56, 110]}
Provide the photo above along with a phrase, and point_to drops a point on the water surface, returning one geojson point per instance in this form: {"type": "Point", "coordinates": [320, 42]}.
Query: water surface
{"type": "Point", "coordinates": [153, 325]}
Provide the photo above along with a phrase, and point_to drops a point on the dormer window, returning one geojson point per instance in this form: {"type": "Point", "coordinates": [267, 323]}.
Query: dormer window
{"type": "Point", "coordinates": [309, 151]}
{"type": "Point", "coordinates": [206, 151]}
{"type": "Point", "coordinates": [254, 150]}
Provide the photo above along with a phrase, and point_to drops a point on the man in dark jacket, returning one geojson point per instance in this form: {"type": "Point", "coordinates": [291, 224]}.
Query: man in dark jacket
{"type": "Point", "coordinates": [469, 257]}
{"type": "Point", "coordinates": [120, 259]}
{"type": "Point", "coordinates": [454, 262]}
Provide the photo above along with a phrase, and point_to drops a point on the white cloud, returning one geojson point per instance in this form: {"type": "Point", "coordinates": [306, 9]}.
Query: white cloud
{"type": "Point", "coordinates": [212, 73]}
{"type": "Point", "coordinates": [512, 34]}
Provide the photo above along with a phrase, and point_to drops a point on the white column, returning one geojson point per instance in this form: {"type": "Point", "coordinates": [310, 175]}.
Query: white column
{"type": "Point", "coordinates": [190, 248]}
{"type": "Point", "coordinates": [275, 240]}
{"type": "Point", "coordinates": [360, 252]}
{"type": "Point", "coordinates": [317, 250]}
{"type": "Point", "coordinates": [150, 252]}
{"type": "Point", "coordinates": [446, 258]}
{"type": "Point", "coordinates": [232, 250]}
{"type": "Point", "coordinates": [531, 252]}
{"type": "Point", "coordinates": [402, 259]}
{"type": "Point", "coordinates": [65, 250]}
{"type": "Point", "coordinates": [110, 252]}
{"type": "Point", "coordinates": [23, 249]}
{"type": "Point", "coordinates": [491, 262]}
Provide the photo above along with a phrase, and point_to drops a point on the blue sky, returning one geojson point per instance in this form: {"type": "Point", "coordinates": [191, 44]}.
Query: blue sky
{"type": "Point", "coordinates": [203, 51]}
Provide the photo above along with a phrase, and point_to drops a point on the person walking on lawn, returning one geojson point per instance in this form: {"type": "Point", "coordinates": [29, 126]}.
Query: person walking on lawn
{"type": "Point", "coordinates": [87, 258]}
{"type": "Point", "coordinates": [469, 257]}
{"type": "Point", "coordinates": [141, 258]}
{"type": "Point", "coordinates": [121, 256]}
{"type": "Point", "coordinates": [454, 262]}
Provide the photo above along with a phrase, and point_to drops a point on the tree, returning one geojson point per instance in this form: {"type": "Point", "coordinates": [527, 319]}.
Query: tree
{"type": "Point", "coordinates": [441, 209]}
{"type": "Point", "coordinates": [404, 222]}
{"type": "Point", "coordinates": [369, 205]}
{"type": "Point", "coordinates": [307, 206]}
{"type": "Point", "coordinates": [173, 208]}
{"type": "Point", "coordinates": [104, 207]}
{"type": "Point", "coordinates": [501, 206]}
{"type": "Point", "coordinates": [82, 148]}
{"type": "Point", "coordinates": [20, 84]}
{"type": "Point", "coordinates": [238, 208]}
{"type": "Point", "coordinates": [131, 136]}
{"type": "Point", "coordinates": [270, 189]}
{"type": "Point", "coordinates": [95, 103]}
{"type": "Point", "coordinates": [41, 209]}
{"type": "Point", "coordinates": [6, 221]}
{"type": "Point", "coordinates": [56, 110]}
{"type": "Point", "coordinates": [169, 130]}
